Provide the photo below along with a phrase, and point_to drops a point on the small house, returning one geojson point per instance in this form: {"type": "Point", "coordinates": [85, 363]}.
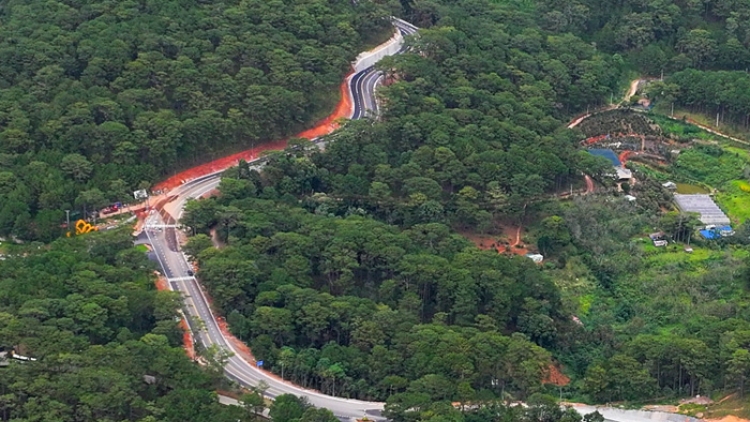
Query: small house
{"type": "Point", "coordinates": [670, 185]}
{"type": "Point", "coordinates": [622, 174]}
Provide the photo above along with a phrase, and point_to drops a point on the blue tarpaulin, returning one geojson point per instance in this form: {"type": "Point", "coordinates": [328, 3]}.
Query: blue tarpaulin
{"type": "Point", "coordinates": [717, 232]}
{"type": "Point", "coordinates": [608, 154]}
{"type": "Point", "coordinates": [710, 234]}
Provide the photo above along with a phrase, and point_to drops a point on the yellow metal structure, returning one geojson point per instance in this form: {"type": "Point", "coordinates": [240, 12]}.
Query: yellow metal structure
{"type": "Point", "coordinates": [82, 227]}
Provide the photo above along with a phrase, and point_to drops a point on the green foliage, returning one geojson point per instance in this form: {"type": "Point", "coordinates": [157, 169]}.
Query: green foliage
{"type": "Point", "coordinates": [661, 321]}
{"type": "Point", "coordinates": [290, 408]}
{"type": "Point", "coordinates": [735, 200]}
{"type": "Point", "coordinates": [98, 97]}
{"type": "Point", "coordinates": [658, 36]}
{"type": "Point", "coordinates": [87, 310]}
{"type": "Point", "coordinates": [360, 308]}
{"type": "Point", "coordinates": [540, 409]}
{"type": "Point", "coordinates": [471, 129]}
{"type": "Point", "coordinates": [712, 92]}
{"type": "Point", "coordinates": [710, 165]}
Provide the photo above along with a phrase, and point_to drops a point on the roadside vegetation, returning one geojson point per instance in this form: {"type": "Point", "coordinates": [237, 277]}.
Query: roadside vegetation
{"type": "Point", "coordinates": [101, 98]}
{"type": "Point", "coordinates": [106, 343]}
{"type": "Point", "coordinates": [329, 242]}
{"type": "Point", "coordinates": [343, 269]}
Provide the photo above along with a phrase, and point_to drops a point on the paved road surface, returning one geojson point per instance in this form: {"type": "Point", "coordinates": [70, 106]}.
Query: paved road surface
{"type": "Point", "coordinates": [160, 231]}
{"type": "Point", "coordinates": [363, 84]}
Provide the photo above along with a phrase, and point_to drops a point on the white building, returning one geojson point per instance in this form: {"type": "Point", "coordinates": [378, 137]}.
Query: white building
{"type": "Point", "coordinates": [623, 174]}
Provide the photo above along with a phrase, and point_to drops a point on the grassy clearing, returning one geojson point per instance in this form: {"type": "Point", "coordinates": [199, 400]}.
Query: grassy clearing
{"type": "Point", "coordinates": [675, 255]}
{"type": "Point", "coordinates": [141, 248]}
{"type": "Point", "coordinates": [739, 151]}
{"type": "Point", "coordinates": [734, 405]}
{"type": "Point", "coordinates": [680, 128]}
{"type": "Point", "coordinates": [692, 409]}
{"type": "Point", "coordinates": [727, 128]}
{"type": "Point", "coordinates": [735, 200]}
{"type": "Point", "coordinates": [576, 283]}
{"type": "Point", "coordinates": [686, 189]}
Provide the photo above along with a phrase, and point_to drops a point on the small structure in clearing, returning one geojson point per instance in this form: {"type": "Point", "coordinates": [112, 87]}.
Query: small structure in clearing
{"type": "Point", "coordinates": [621, 173]}
{"type": "Point", "coordinates": [714, 232]}
{"type": "Point", "coordinates": [537, 258]}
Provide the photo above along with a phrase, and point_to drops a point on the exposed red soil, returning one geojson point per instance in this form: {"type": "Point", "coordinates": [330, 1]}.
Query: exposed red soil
{"type": "Point", "coordinates": [228, 393]}
{"type": "Point", "coordinates": [324, 127]}
{"type": "Point", "coordinates": [488, 242]}
{"type": "Point", "coordinates": [556, 377]}
{"type": "Point", "coordinates": [187, 338]}
{"type": "Point", "coordinates": [624, 157]}
{"type": "Point", "coordinates": [161, 283]}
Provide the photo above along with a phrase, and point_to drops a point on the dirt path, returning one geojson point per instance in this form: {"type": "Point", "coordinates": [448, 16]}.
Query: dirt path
{"type": "Point", "coordinates": [511, 235]}
{"type": "Point", "coordinates": [711, 130]}
{"type": "Point", "coordinates": [589, 184]}
{"type": "Point", "coordinates": [218, 244]}
{"type": "Point", "coordinates": [633, 89]}
{"type": "Point", "coordinates": [518, 237]}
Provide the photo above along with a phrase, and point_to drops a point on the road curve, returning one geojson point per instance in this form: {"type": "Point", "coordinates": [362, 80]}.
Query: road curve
{"type": "Point", "coordinates": [161, 231]}
{"type": "Point", "coordinates": [362, 85]}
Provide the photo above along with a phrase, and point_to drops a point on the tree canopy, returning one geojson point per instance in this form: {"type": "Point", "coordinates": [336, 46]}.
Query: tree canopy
{"type": "Point", "coordinates": [100, 98]}
{"type": "Point", "coordinates": [106, 343]}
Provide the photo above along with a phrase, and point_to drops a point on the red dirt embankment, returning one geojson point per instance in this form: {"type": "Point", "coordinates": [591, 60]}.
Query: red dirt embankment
{"type": "Point", "coordinates": [324, 127]}
{"type": "Point", "coordinates": [486, 241]}
{"type": "Point", "coordinates": [624, 157]}
{"type": "Point", "coordinates": [187, 338]}
{"type": "Point", "coordinates": [556, 377]}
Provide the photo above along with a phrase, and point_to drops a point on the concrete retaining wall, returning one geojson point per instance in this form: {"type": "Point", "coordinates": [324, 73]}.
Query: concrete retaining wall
{"type": "Point", "coordinates": [369, 58]}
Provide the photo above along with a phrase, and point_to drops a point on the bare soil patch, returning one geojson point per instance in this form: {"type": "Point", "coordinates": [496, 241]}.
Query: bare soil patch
{"type": "Point", "coordinates": [507, 242]}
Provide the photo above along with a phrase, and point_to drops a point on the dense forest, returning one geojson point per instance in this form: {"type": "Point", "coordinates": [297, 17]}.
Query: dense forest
{"type": "Point", "coordinates": [356, 307]}
{"type": "Point", "coordinates": [342, 268]}
{"type": "Point", "coordinates": [472, 129]}
{"type": "Point", "coordinates": [106, 342]}
{"type": "Point", "coordinates": [99, 98]}
{"type": "Point", "coordinates": [722, 93]}
{"type": "Point", "coordinates": [345, 272]}
{"type": "Point", "coordinates": [336, 300]}
{"type": "Point", "coordinates": [659, 35]}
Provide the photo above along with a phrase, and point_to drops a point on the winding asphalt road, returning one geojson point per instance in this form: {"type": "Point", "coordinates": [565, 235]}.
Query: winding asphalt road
{"type": "Point", "coordinates": [364, 83]}
{"type": "Point", "coordinates": [160, 231]}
